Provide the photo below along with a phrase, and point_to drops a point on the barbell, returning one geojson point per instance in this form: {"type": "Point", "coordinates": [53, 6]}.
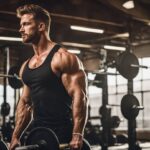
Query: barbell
{"type": "Point", "coordinates": [3, 146]}
{"type": "Point", "coordinates": [42, 138]}
{"type": "Point", "coordinates": [13, 79]}
{"type": "Point", "coordinates": [127, 65]}
{"type": "Point", "coordinates": [130, 106]}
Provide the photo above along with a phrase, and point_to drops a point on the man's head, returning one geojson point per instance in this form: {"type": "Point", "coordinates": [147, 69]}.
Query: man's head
{"type": "Point", "coordinates": [33, 19]}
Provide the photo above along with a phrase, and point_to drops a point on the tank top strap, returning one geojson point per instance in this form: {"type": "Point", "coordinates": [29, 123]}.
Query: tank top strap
{"type": "Point", "coordinates": [52, 52]}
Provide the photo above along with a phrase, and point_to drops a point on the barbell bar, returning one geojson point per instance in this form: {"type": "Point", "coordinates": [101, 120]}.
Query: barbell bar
{"type": "Point", "coordinates": [139, 66]}
{"type": "Point", "coordinates": [102, 72]}
{"type": "Point", "coordinates": [113, 63]}
{"type": "Point", "coordinates": [42, 138]}
{"type": "Point", "coordinates": [10, 76]}
{"type": "Point", "coordinates": [126, 63]}
{"type": "Point", "coordinates": [41, 144]}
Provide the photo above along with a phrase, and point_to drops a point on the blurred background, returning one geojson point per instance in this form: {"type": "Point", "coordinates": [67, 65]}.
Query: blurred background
{"type": "Point", "coordinates": [99, 32]}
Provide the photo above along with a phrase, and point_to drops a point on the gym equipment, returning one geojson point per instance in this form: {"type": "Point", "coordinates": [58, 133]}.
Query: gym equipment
{"type": "Point", "coordinates": [7, 130]}
{"type": "Point", "coordinates": [124, 62]}
{"type": "Point", "coordinates": [42, 138]}
{"type": "Point", "coordinates": [107, 137]}
{"type": "Point", "coordinates": [115, 122]}
{"type": "Point", "coordinates": [128, 65]}
{"type": "Point", "coordinates": [92, 133]}
{"type": "Point", "coordinates": [130, 106]}
{"type": "Point", "coordinates": [13, 79]}
{"type": "Point", "coordinates": [3, 146]}
{"type": "Point", "coordinates": [122, 138]}
{"type": "Point", "coordinates": [5, 109]}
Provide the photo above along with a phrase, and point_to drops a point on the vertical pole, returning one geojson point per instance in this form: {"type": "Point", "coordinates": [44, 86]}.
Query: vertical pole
{"type": "Point", "coordinates": [132, 124]}
{"type": "Point", "coordinates": [5, 80]}
{"type": "Point", "coordinates": [106, 114]}
{"type": "Point", "coordinates": [5, 67]}
{"type": "Point", "coordinates": [15, 99]}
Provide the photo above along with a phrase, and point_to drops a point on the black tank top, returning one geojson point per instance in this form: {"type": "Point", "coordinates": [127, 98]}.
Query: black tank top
{"type": "Point", "coordinates": [51, 102]}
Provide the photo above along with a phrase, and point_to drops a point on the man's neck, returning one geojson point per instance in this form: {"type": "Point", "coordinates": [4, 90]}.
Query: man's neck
{"type": "Point", "coordinates": [43, 45]}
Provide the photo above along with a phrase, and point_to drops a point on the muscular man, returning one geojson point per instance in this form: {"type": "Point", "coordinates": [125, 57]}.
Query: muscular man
{"type": "Point", "coordinates": [55, 85]}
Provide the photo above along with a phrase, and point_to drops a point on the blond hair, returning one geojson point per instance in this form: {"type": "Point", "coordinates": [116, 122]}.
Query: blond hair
{"type": "Point", "coordinates": [39, 13]}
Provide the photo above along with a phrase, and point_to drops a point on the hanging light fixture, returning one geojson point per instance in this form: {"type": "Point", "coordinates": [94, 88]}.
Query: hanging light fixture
{"type": "Point", "coordinates": [86, 29]}
{"type": "Point", "coordinates": [128, 4]}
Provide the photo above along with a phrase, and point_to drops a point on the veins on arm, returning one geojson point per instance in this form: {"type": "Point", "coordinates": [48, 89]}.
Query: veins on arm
{"type": "Point", "coordinates": [23, 111]}
{"type": "Point", "coordinates": [75, 82]}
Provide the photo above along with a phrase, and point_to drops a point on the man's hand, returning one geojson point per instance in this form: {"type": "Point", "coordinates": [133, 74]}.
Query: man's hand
{"type": "Point", "coordinates": [14, 143]}
{"type": "Point", "coordinates": [76, 142]}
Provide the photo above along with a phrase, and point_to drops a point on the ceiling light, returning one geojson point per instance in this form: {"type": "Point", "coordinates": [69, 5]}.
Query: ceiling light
{"type": "Point", "coordinates": [3, 38]}
{"type": "Point", "coordinates": [74, 51]}
{"type": "Point", "coordinates": [114, 47]}
{"type": "Point", "coordinates": [77, 44]}
{"type": "Point", "coordinates": [128, 4]}
{"type": "Point", "coordinates": [123, 35]}
{"type": "Point", "coordinates": [85, 29]}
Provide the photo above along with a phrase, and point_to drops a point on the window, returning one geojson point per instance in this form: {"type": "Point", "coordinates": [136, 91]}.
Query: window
{"type": "Point", "coordinates": [117, 88]}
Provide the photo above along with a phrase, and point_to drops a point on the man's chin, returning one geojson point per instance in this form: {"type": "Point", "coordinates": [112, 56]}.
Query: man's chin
{"type": "Point", "coordinates": [25, 41]}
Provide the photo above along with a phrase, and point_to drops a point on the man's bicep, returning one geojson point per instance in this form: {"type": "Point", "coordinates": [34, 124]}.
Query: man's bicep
{"type": "Point", "coordinates": [79, 80]}
{"type": "Point", "coordinates": [25, 96]}
{"type": "Point", "coordinates": [75, 82]}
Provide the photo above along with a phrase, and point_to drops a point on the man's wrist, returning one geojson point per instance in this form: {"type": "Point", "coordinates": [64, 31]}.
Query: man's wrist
{"type": "Point", "coordinates": [77, 133]}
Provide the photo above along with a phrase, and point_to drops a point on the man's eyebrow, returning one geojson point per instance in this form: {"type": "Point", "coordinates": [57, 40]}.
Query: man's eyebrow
{"type": "Point", "coordinates": [21, 23]}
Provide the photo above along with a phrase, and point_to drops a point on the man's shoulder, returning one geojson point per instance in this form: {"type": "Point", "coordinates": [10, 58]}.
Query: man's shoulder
{"type": "Point", "coordinates": [65, 60]}
{"type": "Point", "coordinates": [22, 67]}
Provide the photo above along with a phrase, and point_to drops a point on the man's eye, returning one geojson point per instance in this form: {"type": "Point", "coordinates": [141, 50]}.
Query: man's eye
{"type": "Point", "coordinates": [26, 23]}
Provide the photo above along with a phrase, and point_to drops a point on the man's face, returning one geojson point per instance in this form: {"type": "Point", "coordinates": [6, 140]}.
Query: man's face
{"type": "Point", "coordinates": [28, 28]}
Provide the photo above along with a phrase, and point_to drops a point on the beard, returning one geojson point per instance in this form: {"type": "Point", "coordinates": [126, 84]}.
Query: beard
{"type": "Point", "coordinates": [31, 38]}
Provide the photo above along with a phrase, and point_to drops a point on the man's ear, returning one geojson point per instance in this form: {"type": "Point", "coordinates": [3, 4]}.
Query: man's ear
{"type": "Point", "coordinates": [42, 26]}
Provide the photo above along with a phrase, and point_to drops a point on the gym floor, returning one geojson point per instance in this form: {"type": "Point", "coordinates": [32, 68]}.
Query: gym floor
{"type": "Point", "coordinates": [144, 146]}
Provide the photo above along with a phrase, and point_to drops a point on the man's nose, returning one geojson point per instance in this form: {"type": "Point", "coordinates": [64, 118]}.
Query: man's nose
{"type": "Point", "coordinates": [21, 29]}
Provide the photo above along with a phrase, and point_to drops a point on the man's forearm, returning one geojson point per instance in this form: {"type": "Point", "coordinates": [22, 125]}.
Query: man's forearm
{"type": "Point", "coordinates": [23, 117]}
{"type": "Point", "coordinates": [79, 115]}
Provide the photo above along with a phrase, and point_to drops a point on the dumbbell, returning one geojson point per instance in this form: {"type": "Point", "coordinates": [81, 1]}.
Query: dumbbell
{"type": "Point", "coordinates": [42, 138]}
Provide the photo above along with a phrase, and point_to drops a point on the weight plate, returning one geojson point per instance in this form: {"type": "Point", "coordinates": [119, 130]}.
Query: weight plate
{"type": "Point", "coordinates": [128, 104]}
{"type": "Point", "coordinates": [3, 145]}
{"type": "Point", "coordinates": [43, 135]}
{"type": "Point", "coordinates": [5, 109]}
{"type": "Point", "coordinates": [86, 145]}
{"type": "Point", "coordinates": [14, 82]}
{"type": "Point", "coordinates": [115, 121]}
{"type": "Point", "coordinates": [124, 62]}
